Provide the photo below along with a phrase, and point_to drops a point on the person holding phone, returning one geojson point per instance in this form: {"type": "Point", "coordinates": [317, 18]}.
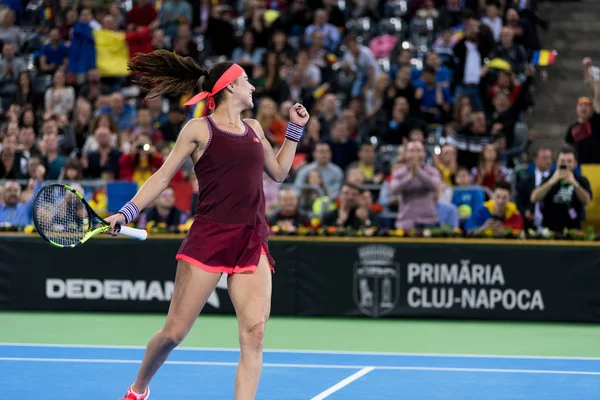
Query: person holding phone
{"type": "Point", "coordinates": [496, 214]}
{"type": "Point", "coordinates": [563, 195]}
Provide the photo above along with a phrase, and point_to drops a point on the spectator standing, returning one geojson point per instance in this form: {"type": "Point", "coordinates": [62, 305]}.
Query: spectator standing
{"type": "Point", "coordinates": [142, 14]}
{"type": "Point", "coordinates": [330, 33]}
{"type": "Point", "coordinates": [584, 134]}
{"type": "Point", "coordinates": [360, 61]}
{"type": "Point", "coordinates": [470, 53]}
{"type": "Point", "coordinates": [563, 195]}
{"type": "Point", "coordinates": [418, 184]}
{"type": "Point", "coordinates": [532, 211]}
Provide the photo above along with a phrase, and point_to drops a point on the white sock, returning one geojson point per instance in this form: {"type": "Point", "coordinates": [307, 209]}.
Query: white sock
{"type": "Point", "coordinates": [138, 395]}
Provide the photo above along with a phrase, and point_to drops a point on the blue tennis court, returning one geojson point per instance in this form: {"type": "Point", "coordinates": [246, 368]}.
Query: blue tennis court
{"type": "Point", "coordinates": [47, 372]}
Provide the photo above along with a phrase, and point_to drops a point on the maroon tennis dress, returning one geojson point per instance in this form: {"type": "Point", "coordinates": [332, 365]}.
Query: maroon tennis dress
{"type": "Point", "coordinates": [229, 232]}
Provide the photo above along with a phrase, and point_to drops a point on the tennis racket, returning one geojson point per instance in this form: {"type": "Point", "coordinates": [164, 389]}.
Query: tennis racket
{"type": "Point", "coordinates": [64, 219]}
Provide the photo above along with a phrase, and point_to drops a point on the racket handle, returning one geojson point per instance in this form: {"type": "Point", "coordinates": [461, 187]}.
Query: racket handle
{"type": "Point", "coordinates": [140, 234]}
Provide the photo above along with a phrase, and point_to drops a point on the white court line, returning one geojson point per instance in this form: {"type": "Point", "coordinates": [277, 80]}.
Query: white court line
{"type": "Point", "coordinates": [343, 383]}
{"type": "Point", "coordinates": [365, 353]}
{"type": "Point", "coordinates": [313, 366]}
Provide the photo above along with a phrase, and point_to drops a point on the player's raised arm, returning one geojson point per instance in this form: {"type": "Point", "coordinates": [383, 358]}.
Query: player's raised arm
{"type": "Point", "coordinates": [278, 166]}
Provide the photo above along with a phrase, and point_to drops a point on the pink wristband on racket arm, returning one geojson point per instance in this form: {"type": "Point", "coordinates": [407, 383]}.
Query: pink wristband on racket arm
{"type": "Point", "coordinates": [294, 132]}
{"type": "Point", "coordinates": [129, 211]}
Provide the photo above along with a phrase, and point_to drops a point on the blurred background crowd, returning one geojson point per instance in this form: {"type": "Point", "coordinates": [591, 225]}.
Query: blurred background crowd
{"type": "Point", "coordinates": [418, 109]}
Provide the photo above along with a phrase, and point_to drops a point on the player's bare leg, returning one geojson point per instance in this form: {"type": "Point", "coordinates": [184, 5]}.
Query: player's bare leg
{"type": "Point", "coordinates": [251, 297]}
{"type": "Point", "coordinates": [192, 288]}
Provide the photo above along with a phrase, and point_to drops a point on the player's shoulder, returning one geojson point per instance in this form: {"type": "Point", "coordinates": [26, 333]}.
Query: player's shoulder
{"type": "Point", "coordinates": [255, 125]}
{"type": "Point", "coordinates": [252, 122]}
{"type": "Point", "coordinates": [196, 127]}
{"type": "Point", "coordinates": [196, 124]}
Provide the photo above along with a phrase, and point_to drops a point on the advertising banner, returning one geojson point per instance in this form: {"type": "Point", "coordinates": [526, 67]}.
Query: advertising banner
{"type": "Point", "coordinates": [511, 282]}
{"type": "Point", "coordinates": [102, 275]}
{"type": "Point", "coordinates": [370, 279]}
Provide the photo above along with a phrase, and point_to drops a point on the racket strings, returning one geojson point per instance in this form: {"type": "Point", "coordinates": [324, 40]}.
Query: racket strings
{"type": "Point", "coordinates": [61, 216]}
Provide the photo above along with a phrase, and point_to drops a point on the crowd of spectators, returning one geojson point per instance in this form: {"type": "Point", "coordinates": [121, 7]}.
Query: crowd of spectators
{"type": "Point", "coordinates": [418, 109]}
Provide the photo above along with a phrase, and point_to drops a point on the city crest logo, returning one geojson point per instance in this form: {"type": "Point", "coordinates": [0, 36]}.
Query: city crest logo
{"type": "Point", "coordinates": [376, 280]}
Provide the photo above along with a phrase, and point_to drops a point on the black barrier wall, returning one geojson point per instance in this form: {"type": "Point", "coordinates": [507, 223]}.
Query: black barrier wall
{"type": "Point", "coordinates": [320, 278]}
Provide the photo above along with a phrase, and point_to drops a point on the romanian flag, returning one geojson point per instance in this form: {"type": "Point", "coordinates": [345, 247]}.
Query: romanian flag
{"type": "Point", "coordinates": [544, 58]}
{"type": "Point", "coordinates": [48, 13]}
{"type": "Point", "coordinates": [112, 53]}
{"type": "Point", "coordinates": [321, 91]}
{"type": "Point", "coordinates": [109, 51]}
{"type": "Point", "coordinates": [115, 49]}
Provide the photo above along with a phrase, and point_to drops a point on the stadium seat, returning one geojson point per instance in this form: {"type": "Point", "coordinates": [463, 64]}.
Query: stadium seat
{"type": "Point", "coordinates": [119, 193]}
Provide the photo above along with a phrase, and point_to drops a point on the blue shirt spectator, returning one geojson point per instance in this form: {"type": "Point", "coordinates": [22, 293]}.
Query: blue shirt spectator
{"type": "Point", "coordinates": [54, 53]}
{"type": "Point", "coordinates": [429, 94]}
{"type": "Point", "coordinates": [12, 211]}
{"type": "Point", "coordinates": [331, 35]}
{"type": "Point", "coordinates": [442, 75]}
{"type": "Point", "coordinates": [123, 115]}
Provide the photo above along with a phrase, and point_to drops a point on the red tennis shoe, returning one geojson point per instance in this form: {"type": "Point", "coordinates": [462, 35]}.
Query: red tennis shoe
{"type": "Point", "coordinates": [130, 395]}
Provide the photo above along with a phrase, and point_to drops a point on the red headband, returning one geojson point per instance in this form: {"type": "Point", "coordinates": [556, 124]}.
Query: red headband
{"type": "Point", "coordinates": [228, 76]}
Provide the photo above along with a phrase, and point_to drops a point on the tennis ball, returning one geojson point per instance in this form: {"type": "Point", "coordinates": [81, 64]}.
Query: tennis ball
{"type": "Point", "coordinates": [464, 211]}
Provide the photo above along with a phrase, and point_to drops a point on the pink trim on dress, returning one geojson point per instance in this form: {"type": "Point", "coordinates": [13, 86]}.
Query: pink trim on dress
{"type": "Point", "coordinates": [222, 269]}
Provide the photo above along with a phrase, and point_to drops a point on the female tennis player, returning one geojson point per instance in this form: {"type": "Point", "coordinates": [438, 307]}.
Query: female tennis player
{"type": "Point", "coordinates": [229, 233]}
